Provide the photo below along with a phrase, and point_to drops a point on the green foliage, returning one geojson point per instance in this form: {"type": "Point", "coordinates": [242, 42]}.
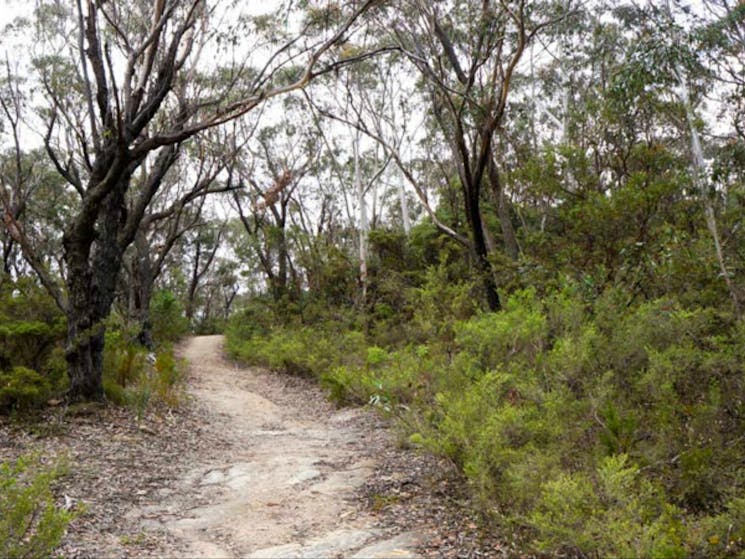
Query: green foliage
{"type": "Point", "coordinates": [600, 427]}
{"type": "Point", "coordinates": [493, 338]}
{"type": "Point", "coordinates": [124, 361]}
{"type": "Point", "coordinates": [31, 525]}
{"type": "Point", "coordinates": [332, 277]}
{"type": "Point", "coordinates": [167, 315]}
{"type": "Point", "coordinates": [23, 389]}
{"type": "Point", "coordinates": [30, 325]}
{"type": "Point", "coordinates": [614, 512]}
{"type": "Point", "coordinates": [168, 376]}
{"type": "Point", "coordinates": [254, 319]}
{"type": "Point", "coordinates": [614, 438]}
{"type": "Point", "coordinates": [443, 298]}
{"type": "Point", "coordinates": [133, 378]}
{"type": "Point", "coordinates": [32, 364]}
{"type": "Point", "coordinates": [297, 349]}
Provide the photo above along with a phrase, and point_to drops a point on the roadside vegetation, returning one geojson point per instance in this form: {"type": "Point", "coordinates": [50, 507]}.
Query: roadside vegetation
{"type": "Point", "coordinates": [589, 421]}
{"type": "Point", "coordinates": [32, 363]}
{"type": "Point", "coordinates": [33, 376]}
{"type": "Point", "coordinates": [31, 523]}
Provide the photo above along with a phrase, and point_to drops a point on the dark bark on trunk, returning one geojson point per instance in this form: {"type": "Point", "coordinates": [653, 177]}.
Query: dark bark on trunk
{"type": "Point", "coordinates": [83, 339]}
{"type": "Point", "coordinates": [503, 211]}
{"type": "Point", "coordinates": [191, 293]}
{"type": "Point", "coordinates": [143, 285]}
{"type": "Point", "coordinates": [279, 280]}
{"type": "Point", "coordinates": [84, 361]}
{"type": "Point", "coordinates": [93, 255]}
{"type": "Point", "coordinates": [282, 262]}
{"type": "Point", "coordinates": [7, 252]}
{"type": "Point", "coordinates": [229, 303]}
{"type": "Point", "coordinates": [475, 223]}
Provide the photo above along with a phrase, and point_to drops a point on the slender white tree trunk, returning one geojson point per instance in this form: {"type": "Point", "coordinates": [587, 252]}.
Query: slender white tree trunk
{"type": "Point", "coordinates": [404, 206]}
{"type": "Point", "coordinates": [699, 170]}
{"type": "Point", "coordinates": [363, 216]}
{"type": "Point", "coordinates": [571, 181]}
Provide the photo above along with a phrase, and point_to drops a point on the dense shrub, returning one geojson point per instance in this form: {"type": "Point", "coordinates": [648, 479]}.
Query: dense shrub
{"type": "Point", "coordinates": [598, 427]}
{"type": "Point", "coordinates": [138, 379]}
{"type": "Point", "coordinates": [167, 316]}
{"type": "Point", "coordinates": [31, 525]}
{"type": "Point", "coordinates": [32, 364]}
{"type": "Point", "coordinates": [22, 389]}
{"type": "Point", "coordinates": [31, 325]}
{"type": "Point", "coordinates": [297, 349]}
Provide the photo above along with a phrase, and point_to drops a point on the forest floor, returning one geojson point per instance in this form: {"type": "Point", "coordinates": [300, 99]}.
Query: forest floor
{"type": "Point", "coordinates": [255, 464]}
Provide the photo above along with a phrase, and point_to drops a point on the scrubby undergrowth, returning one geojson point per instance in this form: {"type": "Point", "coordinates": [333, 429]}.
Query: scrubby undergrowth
{"type": "Point", "coordinates": [589, 426]}
{"type": "Point", "coordinates": [31, 523]}
{"type": "Point", "coordinates": [33, 374]}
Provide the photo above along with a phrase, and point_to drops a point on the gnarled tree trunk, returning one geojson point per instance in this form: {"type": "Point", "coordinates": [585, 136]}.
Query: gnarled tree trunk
{"type": "Point", "coordinates": [93, 255]}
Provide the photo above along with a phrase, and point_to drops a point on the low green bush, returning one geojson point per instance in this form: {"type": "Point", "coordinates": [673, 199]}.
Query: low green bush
{"type": "Point", "coordinates": [596, 427]}
{"type": "Point", "coordinates": [31, 325]}
{"type": "Point", "coordinates": [132, 377]}
{"type": "Point", "coordinates": [32, 364]}
{"type": "Point", "coordinates": [611, 512]}
{"type": "Point", "coordinates": [22, 389]}
{"type": "Point", "coordinates": [31, 525]}
{"type": "Point", "coordinates": [298, 349]}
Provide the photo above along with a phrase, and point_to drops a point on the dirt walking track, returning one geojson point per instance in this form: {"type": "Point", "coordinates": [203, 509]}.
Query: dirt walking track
{"type": "Point", "coordinates": [282, 478]}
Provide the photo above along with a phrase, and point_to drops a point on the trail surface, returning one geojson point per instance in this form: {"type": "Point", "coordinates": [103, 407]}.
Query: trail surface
{"type": "Point", "coordinates": [282, 477]}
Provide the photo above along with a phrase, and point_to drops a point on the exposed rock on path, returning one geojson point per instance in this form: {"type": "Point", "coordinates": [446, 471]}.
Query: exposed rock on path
{"type": "Point", "coordinates": [283, 481]}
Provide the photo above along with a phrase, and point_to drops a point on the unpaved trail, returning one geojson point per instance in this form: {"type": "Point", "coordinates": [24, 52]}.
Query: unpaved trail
{"type": "Point", "coordinates": [281, 476]}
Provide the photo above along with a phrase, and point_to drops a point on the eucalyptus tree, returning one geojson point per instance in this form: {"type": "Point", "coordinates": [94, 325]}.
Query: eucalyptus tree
{"type": "Point", "coordinates": [127, 83]}
{"type": "Point", "coordinates": [668, 55]}
{"type": "Point", "coordinates": [722, 46]}
{"type": "Point", "coordinates": [374, 100]}
{"type": "Point", "coordinates": [40, 203]}
{"type": "Point", "coordinates": [202, 244]}
{"type": "Point", "coordinates": [14, 168]}
{"type": "Point", "coordinates": [175, 210]}
{"type": "Point", "coordinates": [220, 290]}
{"type": "Point", "coordinates": [467, 55]}
{"type": "Point", "coordinates": [278, 161]}
{"type": "Point", "coordinates": [29, 186]}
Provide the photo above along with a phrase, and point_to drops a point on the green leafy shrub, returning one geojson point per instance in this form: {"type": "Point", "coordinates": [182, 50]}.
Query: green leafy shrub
{"type": "Point", "coordinates": [31, 325]}
{"type": "Point", "coordinates": [299, 350]}
{"type": "Point", "coordinates": [133, 378]}
{"type": "Point", "coordinates": [519, 332]}
{"type": "Point", "coordinates": [596, 426]}
{"type": "Point", "coordinates": [22, 389]}
{"type": "Point", "coordinates": [439, 302]}
{"type": "Point", "coordinates": [167, 316]}
{"type": "Point", "coordinates": [615, 512]}
{"type": "Point", "coordinates": [168, 378]}
{"type": "Point", "coordinates": [31, 525]}
{"type": "Point", "coordinates": [32, 363]}
{"type": "Point", "coordinates": [722, 534]}
{"type": "Point", "coordinates": [124, 361]}
{"type": "Point", "coordinates": [539, 428]}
